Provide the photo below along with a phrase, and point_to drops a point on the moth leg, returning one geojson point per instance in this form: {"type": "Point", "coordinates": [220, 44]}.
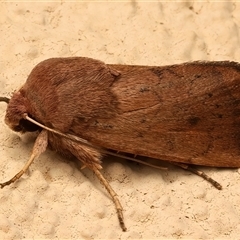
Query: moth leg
{"type": "Point", "coordinates": [199, 173]}
{"type": "Point", "coordinates": [39, 147]}
{"type": "Point", "coordinates": [113, 196]}
{"type": "Point", "coordinates": [90, 157]}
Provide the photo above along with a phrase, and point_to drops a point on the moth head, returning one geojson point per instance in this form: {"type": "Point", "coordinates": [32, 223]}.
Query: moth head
{"type": "Point", "coordinates": [14, 114]}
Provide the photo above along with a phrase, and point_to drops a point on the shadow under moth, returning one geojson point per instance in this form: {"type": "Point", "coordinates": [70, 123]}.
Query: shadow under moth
{"type": "Point", "coordinates": [187, 114]}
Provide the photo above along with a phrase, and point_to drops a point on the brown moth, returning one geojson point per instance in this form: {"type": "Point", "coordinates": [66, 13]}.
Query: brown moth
{"type": "Point", "coordinates": [186, 114]}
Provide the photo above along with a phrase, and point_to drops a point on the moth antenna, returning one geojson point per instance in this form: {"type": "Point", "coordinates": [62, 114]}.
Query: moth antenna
{"type": "Point", "coordinates": [83, 166]}
{"type": "Point", "coordinates": [114, 197]}
{"type": "Point", "coordinates": [81, 140]}
{"type": "Point", "coordinates": [133, 159]}
{"type": "Point", "coordinates": [4, 99]}
{"type": "Point", "coordinates": [39, 147]}
{"type": "Point", "coordinates": [69, 136]}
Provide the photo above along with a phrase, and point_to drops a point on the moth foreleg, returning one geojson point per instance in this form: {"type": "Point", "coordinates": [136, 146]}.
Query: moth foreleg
{"type": "Point", "coordinates": [200, 174]}
{"type": "Point", "coordinates": [39, 147]}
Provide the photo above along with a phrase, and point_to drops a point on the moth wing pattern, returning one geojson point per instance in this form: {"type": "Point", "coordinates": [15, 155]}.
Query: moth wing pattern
{"type": "Point", "coordinates": [185, 113]}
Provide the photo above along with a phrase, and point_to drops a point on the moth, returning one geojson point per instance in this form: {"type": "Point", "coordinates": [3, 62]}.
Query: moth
{"type": "Point", "coordinates": [187, 114]}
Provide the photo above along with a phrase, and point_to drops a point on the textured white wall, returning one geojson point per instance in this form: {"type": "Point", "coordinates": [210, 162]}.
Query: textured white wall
{"type": "Point", "coordinates": [55, 200]}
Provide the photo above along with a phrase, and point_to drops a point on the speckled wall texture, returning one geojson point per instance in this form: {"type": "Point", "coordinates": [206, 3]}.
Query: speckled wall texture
{"type": "Point", "coordinates": [55, 200]}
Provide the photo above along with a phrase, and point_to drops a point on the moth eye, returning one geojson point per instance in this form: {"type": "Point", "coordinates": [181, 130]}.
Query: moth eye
{"type": "Point", "coordinates": [27, 126]}
{"type": "Point", "coordinates": [17, 128]}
